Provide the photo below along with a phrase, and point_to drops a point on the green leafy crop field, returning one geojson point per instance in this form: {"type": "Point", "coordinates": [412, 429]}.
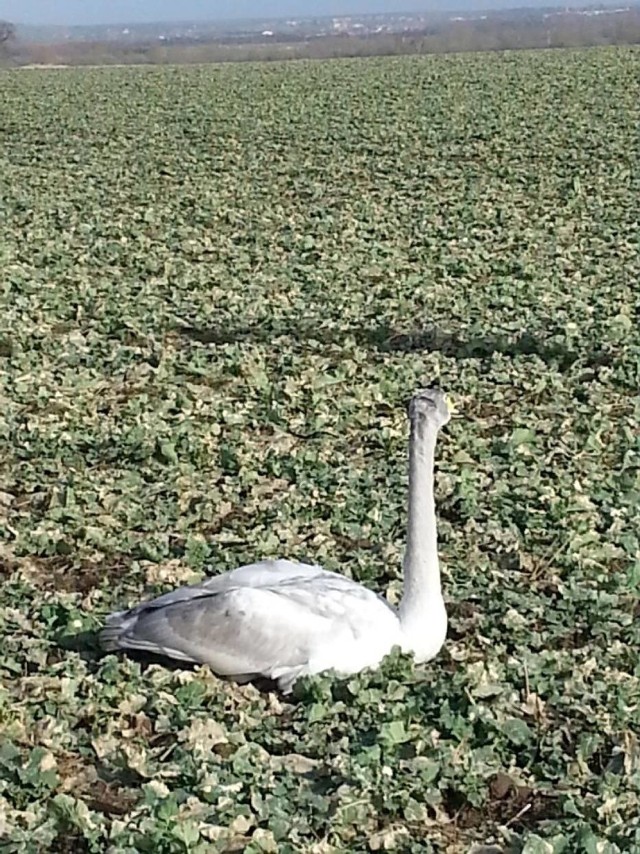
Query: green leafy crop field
{"type": "Point", "coordinates": [219, 287]}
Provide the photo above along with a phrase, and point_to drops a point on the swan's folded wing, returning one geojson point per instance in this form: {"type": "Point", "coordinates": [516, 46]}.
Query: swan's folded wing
{"type": "Point", "coordinates": [239, 631]}
{"type": "Point", "coordinates": [264, 573]}
{"type": "Point", "coordinates": [261, 574]}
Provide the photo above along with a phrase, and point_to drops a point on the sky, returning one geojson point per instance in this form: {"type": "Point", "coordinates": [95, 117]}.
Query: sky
{"type": "Point", "coordinates": [87, 12]}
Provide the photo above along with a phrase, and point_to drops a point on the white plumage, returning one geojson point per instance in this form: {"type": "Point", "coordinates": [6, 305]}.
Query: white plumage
{"type": "Point", "coordinates": [281, 620]}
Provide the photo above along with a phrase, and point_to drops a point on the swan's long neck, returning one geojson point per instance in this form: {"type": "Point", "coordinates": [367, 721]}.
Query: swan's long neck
{"type": "Point", "coordinates": [422, 590]}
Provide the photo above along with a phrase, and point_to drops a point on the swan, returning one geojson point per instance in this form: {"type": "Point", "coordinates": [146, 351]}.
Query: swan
{"type": "Point", "coordinates": [281, 620]}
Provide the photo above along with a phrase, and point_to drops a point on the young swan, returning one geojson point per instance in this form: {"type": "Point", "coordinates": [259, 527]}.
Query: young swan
{"type": "Point", "coordinates": [282, 620]}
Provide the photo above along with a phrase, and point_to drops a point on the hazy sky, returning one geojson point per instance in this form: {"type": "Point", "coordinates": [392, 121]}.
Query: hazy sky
{"type": "Point", "coordinates": [125, 11]}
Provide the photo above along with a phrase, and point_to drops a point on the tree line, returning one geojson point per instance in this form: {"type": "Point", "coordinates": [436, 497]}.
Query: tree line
{"type": "Point", "coordinates": [573, 29]}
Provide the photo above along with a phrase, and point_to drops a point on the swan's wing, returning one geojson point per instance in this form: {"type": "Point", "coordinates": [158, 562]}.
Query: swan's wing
{"type": "Point", "coordinates": [263, 574]}
{"type": "Point", "coordinates": [260, 574]}
{"type": "Point", "coordinates": [247, 630]}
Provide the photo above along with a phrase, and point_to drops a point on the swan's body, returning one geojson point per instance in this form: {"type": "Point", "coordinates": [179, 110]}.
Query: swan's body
{"type": "Point", "coordinates": [282, 620]}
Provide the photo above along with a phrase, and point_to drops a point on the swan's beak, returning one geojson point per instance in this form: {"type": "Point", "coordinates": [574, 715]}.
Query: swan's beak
{"type": "Point", "coordinates": [453, 409]}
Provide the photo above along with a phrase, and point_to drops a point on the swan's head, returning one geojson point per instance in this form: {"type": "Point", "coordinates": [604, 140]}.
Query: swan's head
{"type": "Point", "coordinates": [430, 406]}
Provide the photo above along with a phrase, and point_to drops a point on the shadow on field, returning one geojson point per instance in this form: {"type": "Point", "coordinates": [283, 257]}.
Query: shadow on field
{"type": "Point", "coordinates": [385, 339]}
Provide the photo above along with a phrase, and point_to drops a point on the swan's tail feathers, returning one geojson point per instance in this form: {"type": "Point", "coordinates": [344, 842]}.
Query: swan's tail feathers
{"type": "Point", "coordinates": [122, 631]}
{"type": "Point", "coordinates": [117, 626]}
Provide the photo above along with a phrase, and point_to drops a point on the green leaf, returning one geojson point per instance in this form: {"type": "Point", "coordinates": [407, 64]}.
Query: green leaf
{"type": "Point", "coordinates": [393, 732]}
{"type": "Point", "coordinates": [522, 436]}
{"type": "Point", "coordinates": [537, 845]}
{"type": "Point", "coordinates": [517, 731]}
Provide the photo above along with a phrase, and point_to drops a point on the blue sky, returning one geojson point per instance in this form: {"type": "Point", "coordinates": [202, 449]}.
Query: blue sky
{"type": "Point", "coordinates": [124, 11]}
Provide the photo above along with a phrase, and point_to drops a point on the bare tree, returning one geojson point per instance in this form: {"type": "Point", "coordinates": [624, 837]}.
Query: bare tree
{"type": "Point", "coordinates": [7, 31]}
{"type": "Point", "coordinates": [7, 36]}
